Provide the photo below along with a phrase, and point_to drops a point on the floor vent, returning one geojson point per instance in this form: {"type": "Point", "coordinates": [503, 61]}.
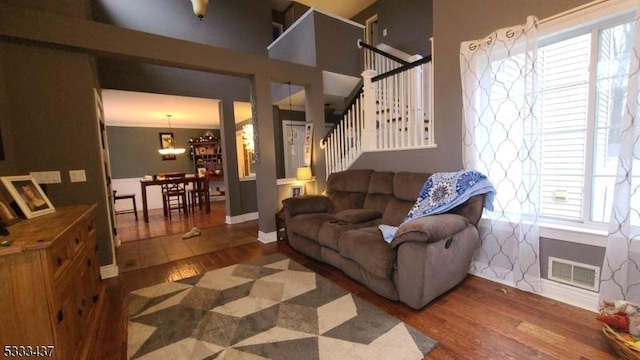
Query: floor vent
{"type": "Point", "coordinates": [573, 273]}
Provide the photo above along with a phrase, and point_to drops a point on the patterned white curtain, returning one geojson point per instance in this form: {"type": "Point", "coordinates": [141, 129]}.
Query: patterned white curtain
{"type": "Point", "coordinates": [500, 139]}
{"type": "Point", "coordinates": [620, 278]}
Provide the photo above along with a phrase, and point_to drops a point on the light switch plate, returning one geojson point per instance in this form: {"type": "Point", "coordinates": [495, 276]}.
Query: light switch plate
{"type": "Point", "coordinates": [77, 176]}
{"type": "Point", "coordinates": [46, 177]}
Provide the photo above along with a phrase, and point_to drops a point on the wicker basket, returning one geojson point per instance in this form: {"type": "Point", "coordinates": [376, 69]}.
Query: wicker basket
{"type": "Point", "coordinates": [623, 348]}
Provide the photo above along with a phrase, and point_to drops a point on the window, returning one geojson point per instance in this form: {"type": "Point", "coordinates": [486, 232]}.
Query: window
{"type": "Point", "coordinates": [582, 82]}
{"type": "Point", "coordinates": [582, 89]}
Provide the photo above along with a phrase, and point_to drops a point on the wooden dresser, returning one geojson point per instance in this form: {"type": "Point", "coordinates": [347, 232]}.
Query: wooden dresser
{"type": "Point", "coordinates": [50, 289]}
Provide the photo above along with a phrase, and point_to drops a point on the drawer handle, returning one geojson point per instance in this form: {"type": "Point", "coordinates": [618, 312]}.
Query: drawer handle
{"type": "Point", "coordinates": [80, 312]}
{"type": "Point", "coordinates": [59, 260]}
{"type": "Point", "coordinates": [96, 248]}
{"type": "Point", "coordinates": [89, 263]}
{"type": "Point", "coordinates": [95, 298]}
{"type": "Point", "coordinates": [60, 316]}
{"type": "Point", "coordinates": [77, 240]}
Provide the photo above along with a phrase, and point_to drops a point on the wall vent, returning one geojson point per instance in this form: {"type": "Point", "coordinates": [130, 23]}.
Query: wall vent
{"type": "Point", "coordinates": [574, 273]}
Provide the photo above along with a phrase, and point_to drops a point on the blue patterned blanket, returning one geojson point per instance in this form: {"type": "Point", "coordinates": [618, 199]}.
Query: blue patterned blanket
{"type": "Point", "coordinates": [443, 192]}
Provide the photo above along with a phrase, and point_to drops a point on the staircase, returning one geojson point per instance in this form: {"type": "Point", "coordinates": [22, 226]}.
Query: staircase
{"type": "Point", "coordinates": [392, 111]}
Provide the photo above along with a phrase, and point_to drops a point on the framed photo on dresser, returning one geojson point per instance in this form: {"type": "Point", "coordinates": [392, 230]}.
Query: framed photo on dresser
{"type": "Point", "coordinates": [28, 195]}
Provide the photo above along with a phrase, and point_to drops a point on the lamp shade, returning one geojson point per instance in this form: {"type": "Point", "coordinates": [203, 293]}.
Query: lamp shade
{"type": "Point", "coordinates": [199, 7]}
{"type": "Point", "coordinates": [303, 173]}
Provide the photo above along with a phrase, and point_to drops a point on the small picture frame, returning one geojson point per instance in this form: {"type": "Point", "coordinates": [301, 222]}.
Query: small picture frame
{"type": "Point", "coordinates": [7, 215]}
{"type": "Point", "coordinates": [202, 172]}
{"type": "Point", "coordinates": [297, 190]}
{"type": "Point", "coordinates": [28, 195]}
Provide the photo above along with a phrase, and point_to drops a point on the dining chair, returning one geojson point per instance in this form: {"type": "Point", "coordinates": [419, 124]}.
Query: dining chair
{"type": "Point", "coordinates": [200, 194]}
{"type": "Point", "coordinates": [174, 195]}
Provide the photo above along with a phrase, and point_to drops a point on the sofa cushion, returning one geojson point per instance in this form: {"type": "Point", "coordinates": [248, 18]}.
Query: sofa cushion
{"type": "Point", "coordinates": [349, 181]}
{"type": "Point", "coordinates": [367, 247]}
{"type": "Point", "coordinates": [307, 204]}
{"type": "Point", "coordinates": [430, 229]}
{"type": "Point", "coordinates": [356, 216]}
{"type": "Point", "coordinates": [331, 231]}
{"type": "Point", "coordinates": [407, 185]}
{"type": "Point", "coordinates": [381, 182]}
{"type": "Point", "coordinates": [380, 191]}
{"type": "Point", "coordinates": [308, 225]}
{"type": "Point", "coordinates": [396, 211]}
{"type": "Point", "coordinates": [348, 189]}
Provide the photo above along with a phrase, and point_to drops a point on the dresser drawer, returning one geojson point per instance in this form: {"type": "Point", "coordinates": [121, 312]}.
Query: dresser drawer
{"type": "Point", "coordinates": [67, 247]}
{"type": "Point", "coordinates": [59, 256]}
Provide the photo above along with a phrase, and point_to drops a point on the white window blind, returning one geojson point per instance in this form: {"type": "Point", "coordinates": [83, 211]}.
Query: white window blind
{"type": "Point", "coordinates": [582, 81]}
{"type": "Point", "coordinates": [564, 102]}
{"type": "Point", "coordinates": [583, 92]}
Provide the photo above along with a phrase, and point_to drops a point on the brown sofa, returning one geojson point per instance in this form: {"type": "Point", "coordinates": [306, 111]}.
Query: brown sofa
{"type": "Point", "coordinates": [426, 257]}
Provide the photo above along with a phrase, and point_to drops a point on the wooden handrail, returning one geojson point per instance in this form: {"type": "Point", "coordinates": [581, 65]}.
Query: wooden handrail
{"type": "Point", "coordinates": [362, 44]}
{"type": "Point", "coordinates": [403, 68]}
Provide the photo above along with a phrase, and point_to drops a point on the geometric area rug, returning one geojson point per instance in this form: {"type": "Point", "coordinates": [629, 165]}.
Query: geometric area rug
{"type": "Point", "coordinates": [267, 308]}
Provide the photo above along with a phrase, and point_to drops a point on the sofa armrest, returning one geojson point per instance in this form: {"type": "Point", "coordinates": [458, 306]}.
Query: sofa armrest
{"type": "Point", "coordinates": [307, 204]}
{"type": "Point", "coordinates": [429, 229]}
{"type": "Point", "coordinates": [358, 216]}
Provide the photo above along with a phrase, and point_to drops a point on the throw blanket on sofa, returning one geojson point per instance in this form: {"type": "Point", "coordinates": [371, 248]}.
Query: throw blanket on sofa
{"type": "Point", "coordinates": [443, 192]}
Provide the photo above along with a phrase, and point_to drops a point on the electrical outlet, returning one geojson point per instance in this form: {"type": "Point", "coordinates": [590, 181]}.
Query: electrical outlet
{"type": "Point", "coordinates": [77, 176]}
{"type": "Point", "coordinates": [384, 32]}
{"type": "Point", "coordinates": [46, 177]}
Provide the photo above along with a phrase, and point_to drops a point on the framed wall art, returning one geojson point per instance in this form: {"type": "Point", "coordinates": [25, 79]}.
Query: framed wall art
{"type": "Point", "coordinates": [167, 141]}
{"type": "Point", "coordinates": [28, 195]}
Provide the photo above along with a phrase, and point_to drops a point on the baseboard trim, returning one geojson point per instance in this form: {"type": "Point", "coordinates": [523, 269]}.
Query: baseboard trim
{"type": "Point", "coordinates": [240, 218]}
{"type": "Point", "coordinates": [269, 237]}
{"type": "Point", "coordinates": [584, 299]}
{"type": "Point", "coordinates": [109, 271]}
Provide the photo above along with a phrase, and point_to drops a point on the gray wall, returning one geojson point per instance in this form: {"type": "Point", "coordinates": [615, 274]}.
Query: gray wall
{"type": "Point", "coordinates": [336, 49]}
{"type": "Point", "coordinates": [134, 151]}
{"type": "Point", "coordinates": [49, 107]}
{"type": "Point", "coordinates": [41, 134]}
{"type": "Point", "coordinates": [322, 41]}
{"type": "Point", "coordinates": [408, 23]}
{"type": "Point", "coordinates": [296, 46]}
{"type": "Point", "coordinates": [243, 25]}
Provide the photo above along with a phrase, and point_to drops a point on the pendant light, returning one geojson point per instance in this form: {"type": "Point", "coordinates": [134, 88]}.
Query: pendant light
{"type": "Point", "coordinates": [292, 134]}
{"type": "Point", "coordinates": [199, 7]}
{"type": "Point", "coordinates": [171, 149]}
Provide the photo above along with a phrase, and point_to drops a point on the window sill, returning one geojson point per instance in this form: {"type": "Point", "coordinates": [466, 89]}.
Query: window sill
{"type": "Point", "coordinates": [575, 234]}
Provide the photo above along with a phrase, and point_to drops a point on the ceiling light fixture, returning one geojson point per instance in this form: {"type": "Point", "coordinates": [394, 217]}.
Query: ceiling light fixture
{"type": "Point", "coordinates": [170, 148]}
{"type": "Point", "coordinates": [199, 7]}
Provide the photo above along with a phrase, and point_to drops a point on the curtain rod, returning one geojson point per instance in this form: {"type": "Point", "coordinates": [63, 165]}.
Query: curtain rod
{"type": "Point", "coordinates": [571, 11]}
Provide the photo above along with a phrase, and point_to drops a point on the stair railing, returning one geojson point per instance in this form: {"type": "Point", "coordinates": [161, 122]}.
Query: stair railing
{"type": "Point", "coordinates": [402, 114]}
{"type": "Point", "coordinates": [379, 60]}
{"type": "Point", "coordinates": [392, 112]}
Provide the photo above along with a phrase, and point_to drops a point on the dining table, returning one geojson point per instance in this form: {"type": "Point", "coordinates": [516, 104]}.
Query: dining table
{"type": "Point", "coordinates": [197, 182]}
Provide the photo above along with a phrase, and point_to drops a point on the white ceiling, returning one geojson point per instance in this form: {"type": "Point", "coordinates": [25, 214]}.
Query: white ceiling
{"type": "Point", "coordinates": [128, 108]}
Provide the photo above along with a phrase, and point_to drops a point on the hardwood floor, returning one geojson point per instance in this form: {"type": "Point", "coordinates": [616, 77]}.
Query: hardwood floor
{"type": "Point", "coordinates": [130, 229]}
{"type": "Point", "coordinates": [478, 319]}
